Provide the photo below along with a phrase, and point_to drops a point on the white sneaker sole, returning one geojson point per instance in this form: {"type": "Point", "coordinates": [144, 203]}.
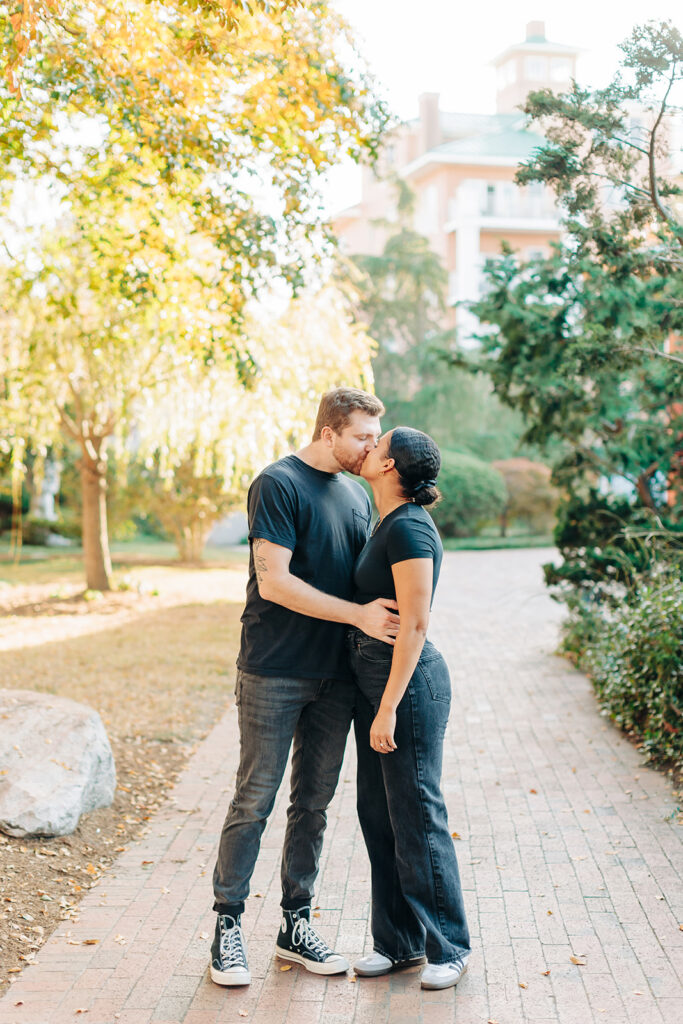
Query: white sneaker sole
{"type": "Point", "coordinates": [446, 983]}
{"type": "Point", "coordinates": [235, 977]}
{"type": "Point", "coordinates": [377, 972]}
{"type": "Point", "coordinates": [339, 966]}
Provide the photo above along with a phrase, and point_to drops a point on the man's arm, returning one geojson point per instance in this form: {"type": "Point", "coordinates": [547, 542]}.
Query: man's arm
{"type": "Point", "coordinates": [276, 583]}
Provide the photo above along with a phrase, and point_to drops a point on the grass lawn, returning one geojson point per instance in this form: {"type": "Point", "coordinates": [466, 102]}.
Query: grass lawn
{"type": "Point", "coordinates": [155, 659]}
{"type": "Point", "coordinates": [488, 542]}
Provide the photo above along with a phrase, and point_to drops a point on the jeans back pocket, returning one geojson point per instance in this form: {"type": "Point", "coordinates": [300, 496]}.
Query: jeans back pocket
{"type": "Point", "coordinates": [434, 671]}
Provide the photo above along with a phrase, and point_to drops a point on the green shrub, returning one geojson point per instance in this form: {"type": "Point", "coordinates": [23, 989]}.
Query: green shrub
{"type": "Point", "coordinates": [7, 504]}
{"type": "Point", "coordinates": [634, 655]}
{"type": "Point", "coordinates": [36, 531]}
{"type": "Point", "coordinates": [473, 494]}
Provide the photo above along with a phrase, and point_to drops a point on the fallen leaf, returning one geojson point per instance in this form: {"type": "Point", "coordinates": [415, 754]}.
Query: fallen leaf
{"type": "Point", "coordinates": [549, 913]}
{"type": "Point", "coordinates": [545, 973]}
{"type": "Point", "coordinates": [579, 961]}
{"type": "Point", "coordinates": [81, 1011]}
{"type": "Point", "coordinates": [148, 862]}
{"type": "Point", "coordinates": [534, 791]}
{"type": "Point", "coordinates": [243, 1013]}
{"type": "Point", "coordinates": [637, 992]}
{"type": "Point", "coordinates": [92, 870]}
{"type": "Point", "coordinates": [353, 979]}
{"type": "Point", "coordinates": [316, 913]}
{"type": "Point", "coordinates": [90, 942]}
{"type": "Point", "coordinates": [455, 835]}
{"type": "Point", "coordinates": [19, 1002]}
{"type": "Point", "coordinates": [287, 967]}
{"type": "Point", "coordinates": [203, 935]}
{"type": "Point", "coordinates": [523, 984]}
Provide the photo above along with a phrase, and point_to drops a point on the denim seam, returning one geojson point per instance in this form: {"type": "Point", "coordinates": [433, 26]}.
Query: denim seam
{"type": "Point", "coordinates": [435, 875]}
{"type": "Point", "coordinates": [414, 955]}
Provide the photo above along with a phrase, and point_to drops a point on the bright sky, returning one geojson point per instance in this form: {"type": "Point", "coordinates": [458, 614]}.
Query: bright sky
{"type": "Point", "coordinates": [446, 47]}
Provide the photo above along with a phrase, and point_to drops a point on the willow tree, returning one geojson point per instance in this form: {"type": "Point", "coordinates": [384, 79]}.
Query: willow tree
{"type": "Point", "coordinates": [184, 163]}
{"type": "Point", "coordinates": [202, 438]}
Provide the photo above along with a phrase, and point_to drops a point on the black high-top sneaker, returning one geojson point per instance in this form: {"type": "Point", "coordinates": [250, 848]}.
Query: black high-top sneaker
{"type": "Point", "coordinates": [229, 952]}
{"type": "Point", "coordinates": [299, 942]}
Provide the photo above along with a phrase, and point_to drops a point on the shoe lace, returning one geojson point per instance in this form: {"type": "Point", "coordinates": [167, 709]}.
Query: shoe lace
{"type": "Point", "coordinates": [304, 935]}
{"type": "Point", "coordinates": [232, 946]}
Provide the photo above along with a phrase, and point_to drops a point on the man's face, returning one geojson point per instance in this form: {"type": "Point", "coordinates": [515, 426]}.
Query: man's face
{"type": "Point", "coordinates": [358, 437]}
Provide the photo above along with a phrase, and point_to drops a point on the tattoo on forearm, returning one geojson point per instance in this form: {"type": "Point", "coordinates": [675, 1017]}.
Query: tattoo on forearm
{"type": "Point", "coordinates": [260, 564]}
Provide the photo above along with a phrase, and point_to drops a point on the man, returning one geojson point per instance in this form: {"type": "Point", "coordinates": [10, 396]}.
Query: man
{"type": "Point", "coordinates": [307, 525]}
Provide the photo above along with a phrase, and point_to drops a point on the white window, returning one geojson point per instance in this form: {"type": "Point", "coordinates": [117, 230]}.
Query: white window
{"type": "Point", "coordinates": [536, 68]}
{"type": "Point", "coordinates": [507, 73]}
{"type": "Point", "coordinates": [490, 205]}
{"type": "Point", "coordinates": [560, 69]}
{"type": "Point", "coordinates": [427, 212]}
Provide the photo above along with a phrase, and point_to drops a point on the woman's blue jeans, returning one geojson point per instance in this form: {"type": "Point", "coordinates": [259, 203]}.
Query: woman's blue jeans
{"type": "Point", "coordinates": [417, 903]}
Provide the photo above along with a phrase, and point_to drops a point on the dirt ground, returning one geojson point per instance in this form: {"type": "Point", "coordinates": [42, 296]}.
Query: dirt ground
{"type": "Point", "coordinates": [156, 660]}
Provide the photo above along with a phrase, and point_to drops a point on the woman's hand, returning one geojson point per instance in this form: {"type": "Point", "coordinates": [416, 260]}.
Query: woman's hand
{"type": "Point", "coordinates": [382, 732]}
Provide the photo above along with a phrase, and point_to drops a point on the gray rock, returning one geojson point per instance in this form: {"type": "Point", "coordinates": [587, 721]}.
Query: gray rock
{"type": "Point", "coordinates": [55, 763]}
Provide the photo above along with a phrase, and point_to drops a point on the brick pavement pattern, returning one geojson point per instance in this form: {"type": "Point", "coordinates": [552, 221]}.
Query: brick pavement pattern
{"type": "Point", "coordinates": [568, 848]}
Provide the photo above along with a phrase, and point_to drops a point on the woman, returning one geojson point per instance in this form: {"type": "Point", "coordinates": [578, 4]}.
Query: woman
{"type": "Point", "coordinates": [403, 705]}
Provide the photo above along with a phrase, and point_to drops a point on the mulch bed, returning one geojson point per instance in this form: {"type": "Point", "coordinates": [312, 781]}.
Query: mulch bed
{"type": "Point", "coordinates": [158, 664]}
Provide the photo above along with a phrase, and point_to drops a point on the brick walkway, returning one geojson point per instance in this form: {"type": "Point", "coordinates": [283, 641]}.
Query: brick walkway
{"type": "Point", "coordinates": [568, 848]}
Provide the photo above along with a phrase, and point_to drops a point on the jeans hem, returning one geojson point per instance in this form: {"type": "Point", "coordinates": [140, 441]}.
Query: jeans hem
{"type": "Point", "coordinates": [296, 904]}
{"type": "Point", "coordinates": [398, 959]}
{"type": "Point", "coordinates": [458, 958]}
{"type": "Point", "coordinates": [233, 909]}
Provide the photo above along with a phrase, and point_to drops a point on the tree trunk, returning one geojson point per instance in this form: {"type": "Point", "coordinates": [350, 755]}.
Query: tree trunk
{"type": "Point", "coordinates": [95, 540]}
{"type": "Point", "coordinates": [504, 522]}
{"type": "Point", "coordinates": [191, 540]}
{"type": "Point", "coordinates": [643, 486]}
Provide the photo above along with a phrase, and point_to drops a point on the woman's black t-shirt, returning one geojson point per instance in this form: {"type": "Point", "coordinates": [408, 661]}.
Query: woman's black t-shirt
{"type": "Point", "coordinates": [407, 532]}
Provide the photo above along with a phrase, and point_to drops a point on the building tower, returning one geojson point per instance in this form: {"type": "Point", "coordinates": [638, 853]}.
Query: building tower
{"type": "Point", "coordinates": [532, 65]}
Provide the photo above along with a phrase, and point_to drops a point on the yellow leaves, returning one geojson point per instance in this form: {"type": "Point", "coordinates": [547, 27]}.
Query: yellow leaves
{"type": "Point", "coordinates": [287, 967]}
{"type": "Point", "coordinates": [580, 961]}
{"type": "Point", "coordinates": [455, 835]}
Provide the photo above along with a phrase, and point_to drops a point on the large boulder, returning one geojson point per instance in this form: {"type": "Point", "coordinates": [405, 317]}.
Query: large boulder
{"type": "Point", "coordinates": [55, 763]}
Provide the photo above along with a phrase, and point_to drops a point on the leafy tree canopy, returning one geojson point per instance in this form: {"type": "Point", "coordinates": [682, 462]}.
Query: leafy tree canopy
{"type": "Point", "coordinates": [584, 343]}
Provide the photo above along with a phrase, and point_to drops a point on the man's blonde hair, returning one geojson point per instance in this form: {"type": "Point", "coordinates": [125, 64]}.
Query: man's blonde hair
{"type": "Point", "coordinates": [337, 405]}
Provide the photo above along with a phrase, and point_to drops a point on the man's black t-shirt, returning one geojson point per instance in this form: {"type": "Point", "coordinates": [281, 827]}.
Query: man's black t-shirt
{"type": "Point", "coordinates": [324, 519]}
{"type": "Point", "coordinates": [407, 532]}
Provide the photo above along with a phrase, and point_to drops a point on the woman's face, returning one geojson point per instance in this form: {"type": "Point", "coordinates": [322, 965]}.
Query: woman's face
{"type": "Point", "coordinates": [376, 460]}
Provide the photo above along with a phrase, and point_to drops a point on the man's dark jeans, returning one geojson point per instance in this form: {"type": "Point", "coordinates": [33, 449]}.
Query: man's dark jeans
{"type": "Point", "coordinates": [417, 904]}
{"type": "Point", "coordinates": [316, 714]}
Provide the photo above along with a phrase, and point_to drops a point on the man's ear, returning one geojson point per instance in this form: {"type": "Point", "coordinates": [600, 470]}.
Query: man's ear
{"type": "Point", "coordinates": [327, 435]}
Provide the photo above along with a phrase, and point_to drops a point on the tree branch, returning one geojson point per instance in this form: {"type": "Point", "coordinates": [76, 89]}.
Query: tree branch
{"type": "Point", "coordinates": [652, 170]}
